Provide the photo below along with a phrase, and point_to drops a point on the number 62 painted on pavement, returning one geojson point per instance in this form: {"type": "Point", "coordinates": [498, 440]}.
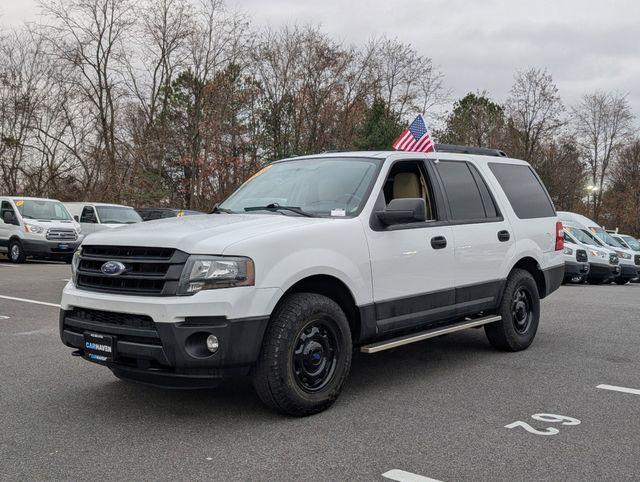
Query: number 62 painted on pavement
{"type": "Point", "coordinates": [545, 417]}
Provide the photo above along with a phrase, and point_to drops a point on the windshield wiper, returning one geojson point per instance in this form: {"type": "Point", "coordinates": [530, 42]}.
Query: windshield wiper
{"type": "Point", "coordinates": [216, 210]}
{"type": "Point", "coordinates": [277, 207]}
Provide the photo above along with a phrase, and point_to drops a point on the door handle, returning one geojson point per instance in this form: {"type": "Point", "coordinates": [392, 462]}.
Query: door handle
{"type": "Point", "coordinates": [438, 242]}
{"type": "Point", "coordinates": [503, 236]}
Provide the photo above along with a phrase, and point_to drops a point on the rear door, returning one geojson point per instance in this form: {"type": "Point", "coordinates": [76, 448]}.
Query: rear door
{"type": "Point", "coordinates": [482, 237]}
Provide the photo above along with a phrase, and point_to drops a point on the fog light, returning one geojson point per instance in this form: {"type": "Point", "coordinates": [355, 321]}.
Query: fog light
{"type": "Point", "coordinates": [212, 343]}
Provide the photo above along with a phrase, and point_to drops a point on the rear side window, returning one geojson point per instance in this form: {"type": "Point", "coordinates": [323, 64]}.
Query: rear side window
{"type": "Point", "coordinates": [525, 192]}
{"type": "Point", "coordinates": [468, 195]}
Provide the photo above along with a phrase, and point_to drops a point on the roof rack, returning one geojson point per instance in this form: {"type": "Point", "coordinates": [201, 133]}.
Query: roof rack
{"type": "Point", "coordinates": [481, 151]}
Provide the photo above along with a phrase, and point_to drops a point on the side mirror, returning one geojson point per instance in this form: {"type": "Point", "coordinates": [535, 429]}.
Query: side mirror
{"type": "Point", "coordinates": [77, 218]}
{"type": "Point", "coordinates": [403, 211]}
{"type": "Point", "coordinates": [10, 218]}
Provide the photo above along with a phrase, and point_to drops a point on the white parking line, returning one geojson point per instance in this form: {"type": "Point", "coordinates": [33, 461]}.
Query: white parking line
{"type": "Point", "coordinates": [613, 388]}
{"type": "Point", "coordinates": [4, 265]}
{"type": "Point", "coordinates": [402, 476]}
{"type": "Point", "coordinates": [30, 301]}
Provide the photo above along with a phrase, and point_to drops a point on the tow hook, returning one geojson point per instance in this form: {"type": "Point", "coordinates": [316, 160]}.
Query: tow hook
{"type": "Point", "coordinates": [77, 353]}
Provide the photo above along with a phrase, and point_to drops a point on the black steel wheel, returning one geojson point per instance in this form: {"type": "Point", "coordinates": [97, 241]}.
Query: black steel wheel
{"type": "Point", "coordinates": [305, 356]}
{"type": "Point", "coordinates": [315, 355]}
{"type": "Point", "coordinates": [520, 312]}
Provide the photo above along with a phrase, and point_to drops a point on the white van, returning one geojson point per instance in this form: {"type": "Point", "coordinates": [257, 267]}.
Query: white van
{"type": "Point", "coordinates": [311, 257]}
{"type": "Point", "coordinates": [95, 217]}
{"type": "Point", "coordinates": [629, 263]}
{"type": "Point", "coordinates": [37, 228]}
{"type": "Point", "coordinates": [604, 265]}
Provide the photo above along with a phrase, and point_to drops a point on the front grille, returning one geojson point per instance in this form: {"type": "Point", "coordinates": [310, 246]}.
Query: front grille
{"type": "Point", "coordinates": [149, 271]}
{"type": "Point", "coordinates": [113, 318]}
{"type": "Point", "coordinates": [581, 256]}
{"type": "Point", "coordinates": [636, 259]}
{"type": "Point", "coordinates": [60, 234]}
{"type": "Point", "coordinates": [613, 259]}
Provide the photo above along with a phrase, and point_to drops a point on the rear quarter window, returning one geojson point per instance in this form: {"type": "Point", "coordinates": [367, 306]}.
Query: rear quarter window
{"type": "Point", "coordinates": [526, 193]}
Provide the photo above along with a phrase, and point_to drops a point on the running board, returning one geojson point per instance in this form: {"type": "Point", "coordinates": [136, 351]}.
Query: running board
{"type": "Point", "coordinates": [425, 335]}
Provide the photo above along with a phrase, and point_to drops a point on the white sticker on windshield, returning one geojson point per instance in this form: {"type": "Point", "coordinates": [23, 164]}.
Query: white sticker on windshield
{"type": "Point", "coordinates": [338, 212]}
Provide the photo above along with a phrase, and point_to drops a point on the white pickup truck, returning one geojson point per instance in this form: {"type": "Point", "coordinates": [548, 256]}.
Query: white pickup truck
{"type": "Point", "coordinates": [311, 257]}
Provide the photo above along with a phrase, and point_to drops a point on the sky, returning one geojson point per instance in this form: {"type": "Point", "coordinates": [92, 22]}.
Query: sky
{"type": "Point", "coordinates": [586, 45]}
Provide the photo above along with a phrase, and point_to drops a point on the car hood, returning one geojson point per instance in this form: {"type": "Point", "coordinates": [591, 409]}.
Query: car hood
{"type": "Point", "coordinates": [47, 224]}
{"type": "Point", "coordinates": [202, 234]}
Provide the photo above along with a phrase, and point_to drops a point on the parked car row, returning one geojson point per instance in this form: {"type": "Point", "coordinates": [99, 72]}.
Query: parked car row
{"type": "Point", "coordinates": [596, 256]}
{"type": "Point", "coordinates": [50, 229]}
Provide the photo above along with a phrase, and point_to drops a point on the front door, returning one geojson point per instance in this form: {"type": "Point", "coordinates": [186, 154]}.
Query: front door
{"type": "Point", "coordinates": [411, 264]}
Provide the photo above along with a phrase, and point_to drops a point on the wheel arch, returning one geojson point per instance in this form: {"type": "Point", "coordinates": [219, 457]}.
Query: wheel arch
{"type": "Point", "coordinates": [334, 289]}
{"type": "Point", "coordinates": [531, 265]}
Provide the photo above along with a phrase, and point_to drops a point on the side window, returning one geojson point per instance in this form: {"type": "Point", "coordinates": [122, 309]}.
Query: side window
{"type": "Point", "coordinates": [88, 215]}
{"type": "Point", "coordinates": [408, 179]}
{"type": "Point", "coordinates": [525, 192]}
{"type": "Point", "coordinates": [6, 208]}
{"type": "Point", "coordinates": [468, 195]}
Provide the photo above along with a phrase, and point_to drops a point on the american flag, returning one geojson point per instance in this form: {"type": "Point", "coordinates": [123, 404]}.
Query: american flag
{"type": "Point", "coordinates": [415, 138]}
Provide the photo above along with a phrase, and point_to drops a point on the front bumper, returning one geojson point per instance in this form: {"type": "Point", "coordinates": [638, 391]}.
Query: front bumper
{"type": "Point", "coordinates": [628, 271]}
{"type": "Point", "coordinates": [171, 355]}
{"type": "Point", "coordinates": [49, 249]}
{"type": "Point", "coordinates": [604, 271]}
{"type": "Point", "coordinates": [574, 268]}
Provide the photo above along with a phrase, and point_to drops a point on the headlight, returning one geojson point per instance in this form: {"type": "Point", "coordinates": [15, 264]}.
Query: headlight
{"type": "Point", "coordinates": [623, 255]}
{"type": "Point", "coordinates": [568, 250]}
{"type": "Point", "coordinates": [75, 262]}
{"type": "Point", "coordinates": [33, 228]}
{"type": "Point", "coordinates": [212, 272]}
{"type": "Point", "coordinates": [79, 229]}
{"type": "Point", "coordinates": [596, 254]}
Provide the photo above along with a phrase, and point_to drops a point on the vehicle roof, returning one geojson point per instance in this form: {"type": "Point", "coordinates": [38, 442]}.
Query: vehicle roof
{"type": "Point", "coordinates": [449, 156]}
{"type": "Point", "coordinates": [27, 198]}
{"type": "Point", "coordinates": [577, 219]}
{"type": "Point", "coordinates": [97, 204]}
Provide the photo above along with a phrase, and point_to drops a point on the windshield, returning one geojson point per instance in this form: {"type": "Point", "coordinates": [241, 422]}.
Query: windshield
{"type": "Point", "coordinates": [632, 242]}
{"type": "Point", "coordinates": [42, 210]}
{"type": "Point", "coordinates": [606, 237]}
{"type": "Point", "coordinates": [320, 187]}
{"type": "Point", "coordinates": [581, 235]}
{"type": "Point", "coordinates": [117, 215]}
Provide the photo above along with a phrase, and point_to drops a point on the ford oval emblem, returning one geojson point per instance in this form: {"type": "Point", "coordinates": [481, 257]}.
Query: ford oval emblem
{"type": "Point", "coordinates": [113, 268]}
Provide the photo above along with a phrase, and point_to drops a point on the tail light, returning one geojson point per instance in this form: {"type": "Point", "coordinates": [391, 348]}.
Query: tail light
{"type": "Point", "coordinates": [559, 236]}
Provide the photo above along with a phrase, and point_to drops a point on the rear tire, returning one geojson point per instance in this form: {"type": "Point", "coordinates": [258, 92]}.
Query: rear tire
{"type": "Point", "coordinates": [305, 356]}
{"type": "Point", "coordinates": [520, 311]}
{"type": "Point", "coordinates": [16, 252]}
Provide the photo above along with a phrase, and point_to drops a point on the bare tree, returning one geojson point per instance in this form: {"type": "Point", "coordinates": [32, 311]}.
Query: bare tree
{"type": "Point", "coordinates": [603, 122]}
{"type": "Point", "coordinates": [89, 35]}
{"type": "Point", "coordinates": [535, 109]}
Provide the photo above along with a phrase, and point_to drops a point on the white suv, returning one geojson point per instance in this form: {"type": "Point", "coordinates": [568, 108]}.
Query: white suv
{"type": "Point", "coordinates": [38, 228]}
{"type": "Point", "coordinates": [311, 257]}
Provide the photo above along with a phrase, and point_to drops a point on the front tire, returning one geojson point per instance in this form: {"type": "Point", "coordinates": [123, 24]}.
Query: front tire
{"type": "Point", "coordinates": [621, 281]}
{"type": "Point", "coordinates": [16, 252]}
{"type": "Point", "coordinates": [520, 311]}
{"type": "Point", "coordinates": [305, 356]}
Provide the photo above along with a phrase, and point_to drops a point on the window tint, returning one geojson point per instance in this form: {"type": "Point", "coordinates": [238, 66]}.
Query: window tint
{"type": "Point", "coordinates": [88, 215]}
{"type": "Point", "coordinates": [525, 192]}
{"type": "Point", "coordinates": [6, 208]}
{"type": "Point", "coordinates": [464, 196]}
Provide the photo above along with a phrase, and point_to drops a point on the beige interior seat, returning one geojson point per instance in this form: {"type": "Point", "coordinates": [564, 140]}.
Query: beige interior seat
{"type": "Point", "coordinates": [406, 185]}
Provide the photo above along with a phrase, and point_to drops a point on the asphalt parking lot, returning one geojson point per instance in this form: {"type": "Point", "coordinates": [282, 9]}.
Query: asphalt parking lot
{"type": "Point", "coordinates": [439, 409]}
